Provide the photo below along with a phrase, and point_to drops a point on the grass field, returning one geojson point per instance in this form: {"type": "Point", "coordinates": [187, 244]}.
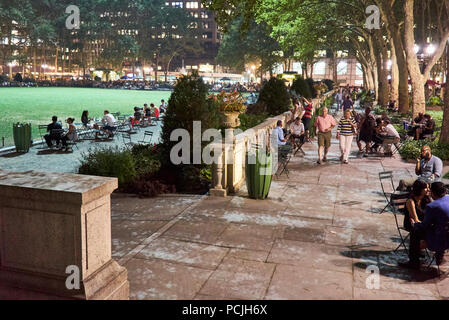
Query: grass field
{"type": "Point", "coordinates": [38, 105]}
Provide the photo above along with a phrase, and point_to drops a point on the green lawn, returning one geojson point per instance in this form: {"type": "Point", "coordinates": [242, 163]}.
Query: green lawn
{"type": "Point", "coordinates": [38, 105]}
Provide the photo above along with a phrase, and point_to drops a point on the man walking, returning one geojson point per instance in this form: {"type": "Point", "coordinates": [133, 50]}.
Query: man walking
{"type": "Point", "coordinates": [324, 125]}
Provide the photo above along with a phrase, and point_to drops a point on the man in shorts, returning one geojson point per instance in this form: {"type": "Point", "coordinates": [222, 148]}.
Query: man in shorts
{"type": "Point", "coordinates": [324, 125]}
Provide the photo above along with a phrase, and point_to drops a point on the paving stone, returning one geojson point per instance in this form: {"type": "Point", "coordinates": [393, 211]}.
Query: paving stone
{"type": "Point", "coordinates": [128, 234]}
{"type": "Point", "coordinates": [155, 279]}
{"type": "Point", "coordinates": [205, 232]}
{"type": "Point", "coordinates": [296, 283]}
{"type": "Point", "coordinates": [310, 255]}
{"type": "Point", "coordinates": [239, 279]}
{"type": "Point", "coordinates": [195, 254]}
{"type": "Point", "coordinates": [245, 236]}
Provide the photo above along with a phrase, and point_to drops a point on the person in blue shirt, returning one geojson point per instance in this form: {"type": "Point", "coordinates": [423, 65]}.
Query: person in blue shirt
{"type": "Point", "coordinates": [434, 229]}
{"type": "Point", "coordinates": [282, 141]}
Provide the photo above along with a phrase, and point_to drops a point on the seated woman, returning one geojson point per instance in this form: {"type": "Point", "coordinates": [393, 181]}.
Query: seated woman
{"type": "Point", "coordinates": [416, 204]}
{"type": "Point", "coordinates": [86, 120]}
{"type": "Point", "coordinates": [71, 135]}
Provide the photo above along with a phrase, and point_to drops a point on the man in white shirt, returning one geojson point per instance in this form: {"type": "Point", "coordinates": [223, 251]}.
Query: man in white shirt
{"type": "Point", "coordinates": [297, 131]}
{"type": "Point", "coordinates": [109, 123]}
{"type": "Point", "coordinates": [391, 137]}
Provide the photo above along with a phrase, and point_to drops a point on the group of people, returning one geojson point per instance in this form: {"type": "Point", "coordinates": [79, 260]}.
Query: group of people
{"type": "Point", "coordinates": [426, 213]}
{"type": "Point", "coordinates": [423, 125]}
{"type": "Point", "coordinates": [59, 135]}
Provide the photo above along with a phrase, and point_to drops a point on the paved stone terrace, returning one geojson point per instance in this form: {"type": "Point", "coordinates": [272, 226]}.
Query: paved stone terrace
{"type": "Point", "coordinates": [40, 158]}
{"type": "Point", "coordinates": [312, 239]}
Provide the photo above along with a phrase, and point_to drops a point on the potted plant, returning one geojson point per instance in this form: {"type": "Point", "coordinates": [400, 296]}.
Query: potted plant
{"type": "Point", "coordinates": [231, 105]}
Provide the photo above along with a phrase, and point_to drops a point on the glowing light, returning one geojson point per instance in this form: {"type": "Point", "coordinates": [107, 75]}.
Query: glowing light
{"type": "Point", "coordinates": [416, 48]}
{"type": "Point", "coordinates": [430, 50]}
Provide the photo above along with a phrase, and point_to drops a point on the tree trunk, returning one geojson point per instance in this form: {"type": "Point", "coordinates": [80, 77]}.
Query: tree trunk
{"type": "Point", "coordinates": [444, 138]}
{"type": "Point", "coordinates": [417, 79]}
{"type": "Point", "coordinates": [394, 87]}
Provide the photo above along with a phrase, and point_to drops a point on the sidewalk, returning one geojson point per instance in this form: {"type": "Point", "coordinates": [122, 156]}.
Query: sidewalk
{"type": "Point", "coordinates": [313, 238]}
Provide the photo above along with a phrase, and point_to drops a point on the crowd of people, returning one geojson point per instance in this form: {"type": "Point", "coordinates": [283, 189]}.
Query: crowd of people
{"type": "Point", "coordinates": [106, 126]}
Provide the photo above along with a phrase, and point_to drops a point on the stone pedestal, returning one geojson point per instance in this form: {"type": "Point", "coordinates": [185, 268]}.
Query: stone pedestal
{"type": "Point", "coordinates": [55, 229]}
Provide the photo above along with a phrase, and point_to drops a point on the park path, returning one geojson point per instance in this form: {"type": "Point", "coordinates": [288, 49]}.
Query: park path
{"type": "Point", "coordinates": [313, 238]}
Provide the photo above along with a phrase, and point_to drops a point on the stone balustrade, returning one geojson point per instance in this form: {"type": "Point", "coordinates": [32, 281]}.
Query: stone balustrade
{"type": "Point", "coordinates": [229, 176]}
{"type": "Point", "coordinates": [55, 229]}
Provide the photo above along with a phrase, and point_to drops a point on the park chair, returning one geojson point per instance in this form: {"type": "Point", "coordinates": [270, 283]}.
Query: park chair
{"type": "Point", "coordinates": [404, 234]}
{"type": "Point", "coordinates": [284, 157]}
{"type": "Point", "coordinates": [299, 144]}
{"type": "Point", "coordinates": [393, 197]}
{"type": "Point", "coordinates": [444, 231]}
{"type": "Point", "coordinates": [149, 135]}
{"type": "Point", "coordinates": [43, 132]}
{"type": "Point", "coordinates": [127, 140]}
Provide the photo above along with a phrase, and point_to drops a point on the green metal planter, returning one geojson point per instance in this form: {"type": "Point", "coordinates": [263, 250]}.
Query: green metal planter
{"type": "Point", "coordinates": [259, 173]}
{"type": "Point", "coordinates": [22, 136]}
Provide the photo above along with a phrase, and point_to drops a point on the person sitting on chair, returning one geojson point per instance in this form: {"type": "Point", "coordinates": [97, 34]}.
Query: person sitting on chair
{"type": "Point", "coordinates": [391, 137]}
{"type": "Point", "coordinates": [433, 229]}
{"type": "Point", "coordinates": [428, 168]}
{"type": "Point", "coordinates": [86, 120]}
{"type": "Point", "coordinates": [54, 125]}
{"type": "Point", "coordinates": [416, 204]}
{"type": "Point", "coordinates": [297, 132]}
{"type": "Point", "coordinates": [282, 141]}
{"type": "Point", "coordinates": [109, 124]}
{"type": "Point", "coordinates": [419, 121]}
{"type": "Point", "coordinates": [427, 129]}
{"type": "Point", "coordinates": [136, 118]}
{"type": "Point", "coordinates": [70, 135]}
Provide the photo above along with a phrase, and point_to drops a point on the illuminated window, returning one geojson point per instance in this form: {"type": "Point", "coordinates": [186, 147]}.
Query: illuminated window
{"type": "Point", "coordinates": [204, 15]}
{"type": "Point", "coordinates": [342, 68]}
{"type": "Point", "coordinates": [192, 5]}
{"type": "Point", "coordinates": [177, 4]}
{"type": "Point", "coordinates": [359, 70]}
{"type": "Point", "coordinates": [319, 68]}
{"type": "Point", "coordinates": [297, 67]}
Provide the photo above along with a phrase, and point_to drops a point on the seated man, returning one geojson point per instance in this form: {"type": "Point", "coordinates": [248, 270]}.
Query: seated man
{"type": "Point", "coordinates": [432, 229]}
{"type": "Point", "coordinates": [109, 123]}
{"type": "Point", "coordinates": [427, 129]}
{"type": "Point", "coordinates": [297, 132]}
{"type": "Point", "coordinates": [136, 118]}
{"type": "Point", "coordinates": [428, 168]}
{"type": "Point", "coordinates": [282, 142]}
{"type": "Point", "coordinates": [55, 125]}
{"type": "Point", "coordinates": [418, 122]}
{"type": "Point", "coordinates": [391, 137]}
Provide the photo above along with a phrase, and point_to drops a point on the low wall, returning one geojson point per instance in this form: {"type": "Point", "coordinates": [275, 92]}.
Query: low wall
{"type": "Point", "coordinates": [55, 238]}
{"type": "Point", "coordinates": [230, 176]}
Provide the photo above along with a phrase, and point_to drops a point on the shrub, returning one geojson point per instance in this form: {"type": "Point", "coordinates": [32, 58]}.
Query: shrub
{"type": "Point", "coordinates": [412, 149]}
{"type": "Point", "coordinates": [446, 176]}
{"type": "Point", "coordinates": [301, 87]}
{"type": "Point", "coordinates": [435, 101]}
{"type": "Point", "coordinates": [248, 121]}
{"type": "Point", "coordinates": [274, 94]}
{"type": "Point", "coordinates": [109, 162]}
{"type": "Point", "coordinates": [258, 108]}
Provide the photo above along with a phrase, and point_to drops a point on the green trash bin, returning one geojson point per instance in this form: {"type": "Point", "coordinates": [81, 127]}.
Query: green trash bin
{"type": "Point", "coordinates": [259, 173]}
{"type": "Point", "coordinates": [22, 136]}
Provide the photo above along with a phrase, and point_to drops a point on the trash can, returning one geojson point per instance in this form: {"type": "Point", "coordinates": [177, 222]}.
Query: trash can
{"type": "Point", "coordinates": [22, 136]}
{"type": "Point", "coordinates": [259, 173]}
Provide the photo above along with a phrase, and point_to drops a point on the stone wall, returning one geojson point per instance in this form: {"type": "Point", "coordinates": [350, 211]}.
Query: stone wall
{"type": "Point", "coordinates": [230, 176]}
{"type": "Point", "coordinates": [50, 222]}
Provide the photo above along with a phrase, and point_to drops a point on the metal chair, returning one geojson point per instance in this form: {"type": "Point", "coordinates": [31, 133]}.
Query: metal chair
{"type": "Point", "coordinates": [42, 133]}
{"type": "Point", "coordinates": [445, 233]}
{"type": "Point", "coordinates": [393, 198]}
{"type": "Point", "coordinates": [284, 157]}
{"type": "Point", "coordinates": [147, 134]}
{"type": "Point", "coordinates": [127, 140]}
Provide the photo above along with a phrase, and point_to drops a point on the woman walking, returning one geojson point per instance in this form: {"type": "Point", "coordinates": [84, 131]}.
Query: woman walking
{"type": "Point", "coordinates": [345, 133]}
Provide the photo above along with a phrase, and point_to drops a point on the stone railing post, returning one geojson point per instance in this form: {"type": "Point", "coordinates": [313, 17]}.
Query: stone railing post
{"type": "Point", "coordinates": [218, 173]}
{"type": "Point", "coordinates": [55, 238]}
